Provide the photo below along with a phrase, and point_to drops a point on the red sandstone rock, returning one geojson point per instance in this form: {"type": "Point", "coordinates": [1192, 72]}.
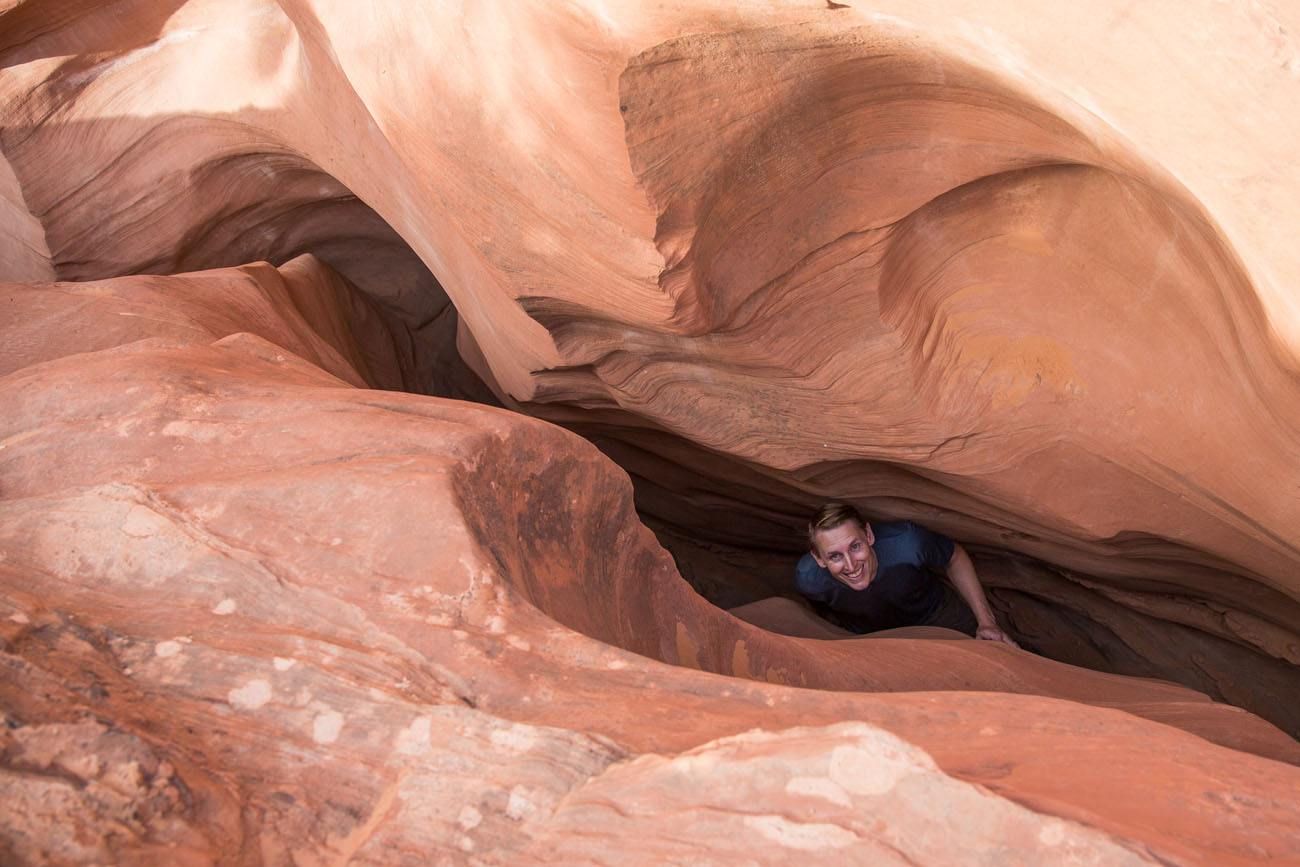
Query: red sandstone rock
{"type": "Point", "coordinates": [303, 308]}
{"type": "Point", "coordinates": [1014, 276]}
{"type": "Point", "coordinates": [325, 619]}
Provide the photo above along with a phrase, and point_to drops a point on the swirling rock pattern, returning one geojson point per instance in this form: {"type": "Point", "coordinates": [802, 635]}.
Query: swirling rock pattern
{"type": "Point", "coordinates": [260, 606]}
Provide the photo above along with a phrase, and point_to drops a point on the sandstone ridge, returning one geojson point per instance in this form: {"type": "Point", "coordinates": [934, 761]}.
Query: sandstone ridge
{"type": "Point", "coordinates": [268, 596]}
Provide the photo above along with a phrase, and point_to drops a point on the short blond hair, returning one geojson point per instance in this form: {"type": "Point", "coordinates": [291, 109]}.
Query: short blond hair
{"type": "Point", "coordinates": [829, 517]}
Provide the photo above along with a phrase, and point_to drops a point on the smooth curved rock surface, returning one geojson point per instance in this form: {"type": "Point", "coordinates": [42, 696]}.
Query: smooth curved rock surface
{"type": "Point", "coordinates": [1013, 276]}
{"type": "Point", "coordinates": [252, 610]}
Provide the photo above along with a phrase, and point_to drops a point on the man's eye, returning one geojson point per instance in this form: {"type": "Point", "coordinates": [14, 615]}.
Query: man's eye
{"type": "Point", "coordinates": [857, 546]}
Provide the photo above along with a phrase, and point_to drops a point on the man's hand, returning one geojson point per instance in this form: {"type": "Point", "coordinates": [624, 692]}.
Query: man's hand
{"type": "Point", "coordinates": [993, 633]}
{"type": "Point", "coordinates": [961, 572]}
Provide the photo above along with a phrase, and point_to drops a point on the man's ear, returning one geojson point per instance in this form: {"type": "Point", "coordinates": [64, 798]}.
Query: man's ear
{"type": "Point", "coordinates": [871, 535]}
{"type": "Point", "coordinates": [817, 557]}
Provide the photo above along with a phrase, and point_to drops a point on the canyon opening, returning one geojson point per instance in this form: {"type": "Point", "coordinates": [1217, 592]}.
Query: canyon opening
{"type": "Point", "coordinates": [412, 415]}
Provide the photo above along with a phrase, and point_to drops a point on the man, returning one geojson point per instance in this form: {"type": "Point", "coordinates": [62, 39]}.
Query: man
{"type": "Point", "coordinates": [869, 578]}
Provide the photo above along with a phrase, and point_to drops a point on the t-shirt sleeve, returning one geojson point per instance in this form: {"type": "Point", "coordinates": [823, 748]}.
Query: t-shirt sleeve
{"type": "Point", "coordinates": [810, 580]}
{"type": "Point", "coordinates": [935, 548]}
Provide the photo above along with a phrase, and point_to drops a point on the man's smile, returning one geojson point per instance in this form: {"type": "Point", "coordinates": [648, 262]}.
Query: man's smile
{"type": "Point", "coordinates": [845, 552]}
{"type": "Point", "coordinates": [858, 579]}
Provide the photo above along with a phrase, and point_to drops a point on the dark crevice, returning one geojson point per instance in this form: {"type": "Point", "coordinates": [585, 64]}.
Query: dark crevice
{"type": "Point", "coordinates": [734, 529]}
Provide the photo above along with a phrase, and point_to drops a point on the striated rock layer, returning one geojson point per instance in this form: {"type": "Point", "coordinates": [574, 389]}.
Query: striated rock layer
{"type": "Point", "coordinates": [1029, 280]}
{"type": "Point", "coordinates": [255, 614]}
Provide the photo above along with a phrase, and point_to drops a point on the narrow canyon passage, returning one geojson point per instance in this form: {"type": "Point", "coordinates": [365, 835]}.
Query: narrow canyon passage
{"type": "Point", "coordinates": [734, 529]}
{"type": "Point", "coordinates": [409, 418]}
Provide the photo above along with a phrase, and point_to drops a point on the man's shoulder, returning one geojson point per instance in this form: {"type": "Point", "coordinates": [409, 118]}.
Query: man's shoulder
{"type": "Point", "coordinates": [908, 542]}
{"type": "Point", "coordinates": [810, 577]}
{"type": "Point", "coordinates": [901, 530]}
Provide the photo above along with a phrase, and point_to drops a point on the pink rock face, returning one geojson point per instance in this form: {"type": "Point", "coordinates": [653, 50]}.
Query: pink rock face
{"type": "Point", "coordinates": [260, 612]}
{"type": "Point", "coordinates": [1013, 277]}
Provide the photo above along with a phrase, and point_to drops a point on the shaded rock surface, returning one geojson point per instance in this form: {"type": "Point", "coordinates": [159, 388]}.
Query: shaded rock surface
{"type": "Point", "coordinates": [1009, 276]}
{"type": "Point", "coordinates": [261, 611]}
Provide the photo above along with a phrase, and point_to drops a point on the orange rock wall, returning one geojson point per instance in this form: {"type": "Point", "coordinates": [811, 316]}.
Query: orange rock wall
{"type": "Point", "coordinates": [1028, 279]}
{"type": "Point", "coordinates": [253, 613]}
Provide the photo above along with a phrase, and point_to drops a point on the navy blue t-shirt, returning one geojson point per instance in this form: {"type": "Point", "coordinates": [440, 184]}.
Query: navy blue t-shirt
{"type": "Point", "coordinates": [905, 591]}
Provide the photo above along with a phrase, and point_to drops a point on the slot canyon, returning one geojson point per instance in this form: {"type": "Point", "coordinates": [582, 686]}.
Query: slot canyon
{"type": "Point", "coordinates": [410, 415]}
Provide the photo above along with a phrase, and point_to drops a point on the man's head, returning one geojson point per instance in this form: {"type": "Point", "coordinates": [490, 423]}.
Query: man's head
{"type": "Point", "coordinates": [841, 544]}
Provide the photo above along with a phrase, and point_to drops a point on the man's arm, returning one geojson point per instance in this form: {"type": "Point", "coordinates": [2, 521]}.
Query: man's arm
{"type": "Point", "coordinates": [961, 572]}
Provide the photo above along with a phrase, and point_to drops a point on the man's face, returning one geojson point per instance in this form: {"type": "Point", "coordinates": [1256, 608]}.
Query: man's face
{"type": "Point", "coordinates": [845, 552]}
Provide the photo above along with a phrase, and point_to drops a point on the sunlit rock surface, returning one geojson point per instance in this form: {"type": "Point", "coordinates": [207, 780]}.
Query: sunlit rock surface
{"type": "Point", "coordinates": [254, 610]}
{"type": "Point", "coordinates": [1016, 277]}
